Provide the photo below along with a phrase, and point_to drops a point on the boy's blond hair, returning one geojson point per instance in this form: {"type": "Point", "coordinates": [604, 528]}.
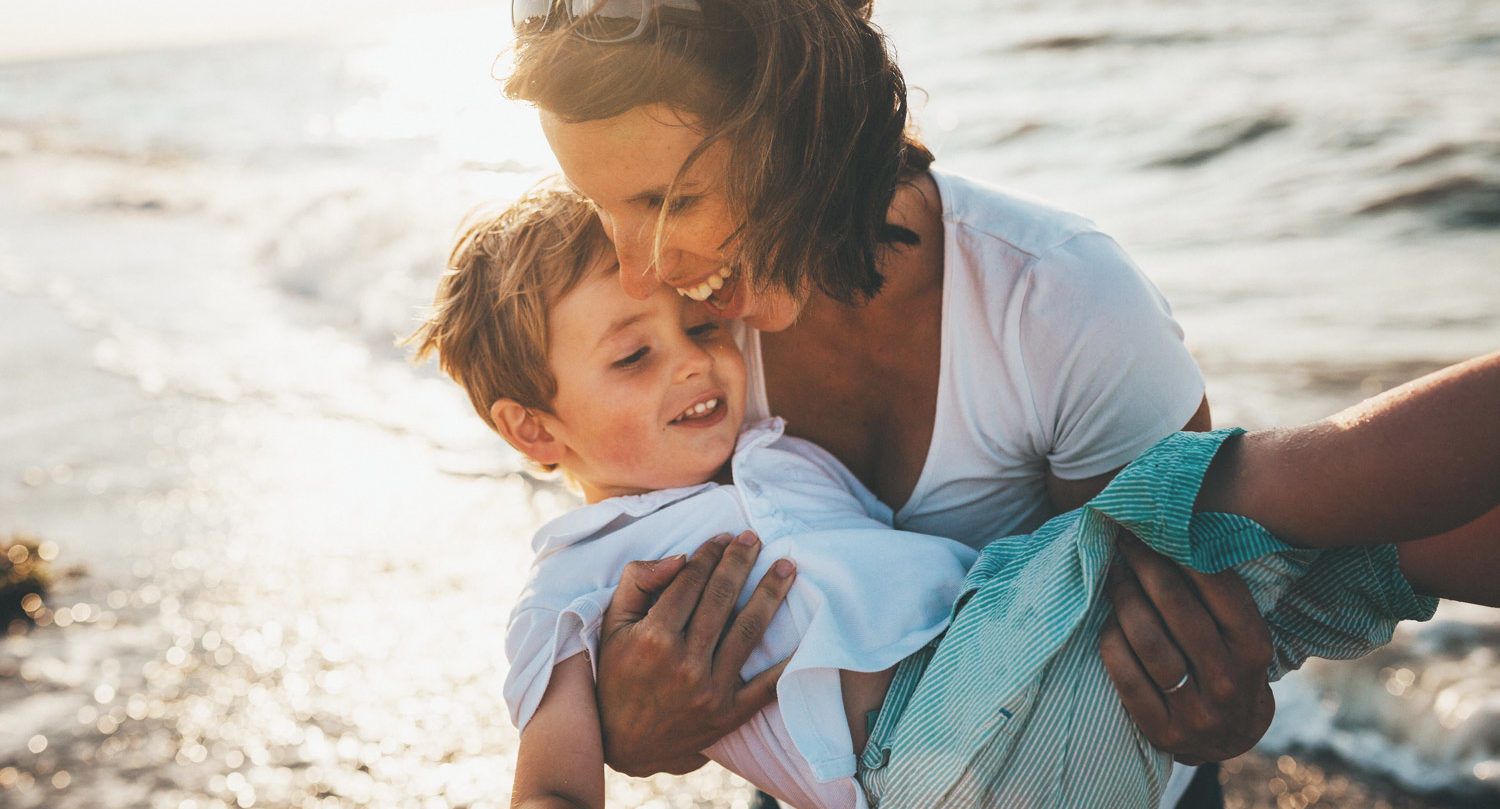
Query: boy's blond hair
{"type": "Point", "coordinates": [489, 321]}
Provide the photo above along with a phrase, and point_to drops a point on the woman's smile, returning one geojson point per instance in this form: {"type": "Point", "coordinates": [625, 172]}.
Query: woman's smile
{"type": "Point", "coordinates": [700, 292]}
{"type": "Point", "coordinates": [625, 165]}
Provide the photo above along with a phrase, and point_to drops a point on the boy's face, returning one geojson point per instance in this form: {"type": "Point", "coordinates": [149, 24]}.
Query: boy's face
{"type": "Point", "coordinates": [650, 393]}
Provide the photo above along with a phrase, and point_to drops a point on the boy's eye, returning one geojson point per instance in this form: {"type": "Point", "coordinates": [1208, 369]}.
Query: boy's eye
{"type": "Point", "coordinates": [706, 329]}
{"type": "Point", "coordinates": [634, 357]}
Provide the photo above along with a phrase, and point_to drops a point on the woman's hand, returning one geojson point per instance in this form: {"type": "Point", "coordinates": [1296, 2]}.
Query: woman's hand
{"type": "Point", "coordinates": [669, 672]}
{"type": "Point", "coordinates": [1188, 653]}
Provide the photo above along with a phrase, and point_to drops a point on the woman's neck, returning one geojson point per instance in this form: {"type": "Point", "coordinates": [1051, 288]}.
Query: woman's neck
{"type": "Point", "coordinates": [910, 271]}
{"type": "Point", "coordinates": [861, 380]}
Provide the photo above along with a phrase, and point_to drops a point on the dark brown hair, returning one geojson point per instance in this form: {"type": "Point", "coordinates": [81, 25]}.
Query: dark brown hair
{"type": "Point", "coordinates": [806, 94]}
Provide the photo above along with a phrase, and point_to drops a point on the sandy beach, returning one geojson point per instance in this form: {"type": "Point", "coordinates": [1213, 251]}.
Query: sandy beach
{"type": "Point", "coordinates": [1261, 781]}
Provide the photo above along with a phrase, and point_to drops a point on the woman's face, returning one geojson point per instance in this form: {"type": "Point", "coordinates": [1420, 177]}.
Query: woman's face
{"type": "Point", "coordinates": [625, 165]}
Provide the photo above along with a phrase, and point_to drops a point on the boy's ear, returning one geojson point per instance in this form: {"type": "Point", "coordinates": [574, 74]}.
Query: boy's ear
{"type": "Point", "coordinates": [522, 428]}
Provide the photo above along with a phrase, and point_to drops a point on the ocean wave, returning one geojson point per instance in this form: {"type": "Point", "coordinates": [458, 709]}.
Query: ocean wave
{"type": "Point", "coordinates": [1218, 141]}
{"type": "Point", "coordinates": [1456, 201]}
{"type": "Point", "coordinates": [1074, 42]}
{"type": "Point", "coordinates": [1421, 711]}
{"type": "Point", "coordinates": [1434, 154]}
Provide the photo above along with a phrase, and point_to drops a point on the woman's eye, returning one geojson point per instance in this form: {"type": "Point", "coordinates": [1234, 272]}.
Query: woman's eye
{"type": "Point", "coordinates": [679, 204]}
{"type": "Point", "coordinates": [634, 357]}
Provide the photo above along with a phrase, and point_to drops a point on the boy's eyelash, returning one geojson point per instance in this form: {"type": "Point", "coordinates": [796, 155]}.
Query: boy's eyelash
{"type": "Point", "coordinates": [635, 357]}
{"type": "Point", "coordinates": [703, 329]}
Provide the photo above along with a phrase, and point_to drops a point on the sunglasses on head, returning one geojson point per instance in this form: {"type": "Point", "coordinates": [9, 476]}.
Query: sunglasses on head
{"type": "Point", "coordinates": [595, 20]}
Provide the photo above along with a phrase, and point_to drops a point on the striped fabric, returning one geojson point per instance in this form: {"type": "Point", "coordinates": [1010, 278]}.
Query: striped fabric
{"type": "Point", "coordinates": [1014, 707]}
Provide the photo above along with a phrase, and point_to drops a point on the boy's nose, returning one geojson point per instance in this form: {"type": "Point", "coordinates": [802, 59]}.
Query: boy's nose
{"type": "Point", "coordinates": [696, 361]}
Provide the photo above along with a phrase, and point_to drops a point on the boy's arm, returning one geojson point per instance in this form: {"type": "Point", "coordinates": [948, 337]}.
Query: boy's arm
{"type": "Point", "coordinates": [561, 760]}
{"type": "Point", "coordinates": [1413, 462]}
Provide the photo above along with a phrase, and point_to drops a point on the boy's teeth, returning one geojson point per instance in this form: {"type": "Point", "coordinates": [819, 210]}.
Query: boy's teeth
{"type": "Point", "coordinates": [698, 409]}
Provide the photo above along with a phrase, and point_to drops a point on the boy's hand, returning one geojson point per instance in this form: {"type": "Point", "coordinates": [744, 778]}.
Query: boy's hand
{"type": "Point", "coordinates": [669, 672]}
{"type": "Point", "coordinates": [1169, 622]}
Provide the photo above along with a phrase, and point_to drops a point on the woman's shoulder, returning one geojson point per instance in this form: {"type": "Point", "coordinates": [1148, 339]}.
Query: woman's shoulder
{"type": "Point", "coordinates": [989, 216]}
{"type": "Point", "coordinates": [1003, 246]}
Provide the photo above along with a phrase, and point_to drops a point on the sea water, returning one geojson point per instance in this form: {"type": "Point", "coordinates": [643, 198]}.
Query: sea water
{"type": "Point", "coordinates": [287, 554]}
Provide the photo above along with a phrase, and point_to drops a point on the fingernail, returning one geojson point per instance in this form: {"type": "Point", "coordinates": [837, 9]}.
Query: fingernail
{"type": "Point", "coordinates": [784, 567]}
{"type": "Point", "coordinates": [665, 560]}
{"type": "Point", "coordinates": [721, 539]}
{"type": "Point", "coordinates": [746, 538]}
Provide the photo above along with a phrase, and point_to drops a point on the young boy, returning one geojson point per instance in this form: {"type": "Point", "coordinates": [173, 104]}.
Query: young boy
{"type": "Point", "coordinates": [640, 403]}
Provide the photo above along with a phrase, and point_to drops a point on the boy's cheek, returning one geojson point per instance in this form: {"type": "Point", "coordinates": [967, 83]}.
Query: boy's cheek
{"type": "Point", "coordinates": [627, 447]}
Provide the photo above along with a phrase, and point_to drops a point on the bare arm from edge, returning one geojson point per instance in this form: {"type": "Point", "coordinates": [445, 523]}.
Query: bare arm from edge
{"type": "Point", "coordinates": [560, 764]}
{"type": "Point", "coordinates": [1462, 564]}
{"type": "Point", "coordinates": [1421, 460]}
{"type": "Point", "coordinates": [670, 652]}
{"type": "Point", "coordinates": [1167, 620]}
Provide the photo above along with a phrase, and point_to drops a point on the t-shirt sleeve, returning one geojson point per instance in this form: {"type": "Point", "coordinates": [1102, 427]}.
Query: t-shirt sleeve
{"type": "Point", "coordinates": [1105, 361]}
{"type": "Point", "coordinates": [536, 641]}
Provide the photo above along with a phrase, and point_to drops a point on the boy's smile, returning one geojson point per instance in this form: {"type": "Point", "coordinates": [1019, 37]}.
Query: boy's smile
{"type": "Point", "coordinates": [650, 393]}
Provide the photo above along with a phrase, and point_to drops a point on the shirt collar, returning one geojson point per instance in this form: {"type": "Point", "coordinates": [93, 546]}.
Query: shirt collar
{"type": "Point", "coordinates": [587, 521]}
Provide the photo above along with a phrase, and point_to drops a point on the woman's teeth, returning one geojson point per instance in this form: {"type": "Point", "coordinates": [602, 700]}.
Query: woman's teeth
{"type": "Point", "coordinates": [698, 410]}
{"type": "Point", "coordinates": [701, 292]}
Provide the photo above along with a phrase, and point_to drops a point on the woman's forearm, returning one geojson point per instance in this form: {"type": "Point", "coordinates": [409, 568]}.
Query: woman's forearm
{"type": "Point", "coordinates": [1413, 462]}
{"type": "Point", "coordinates": [670, 652]}
{"type": "Point", "coordinates": [1462, 564]}
{"type": "Point", "coordinates": [550, 802]}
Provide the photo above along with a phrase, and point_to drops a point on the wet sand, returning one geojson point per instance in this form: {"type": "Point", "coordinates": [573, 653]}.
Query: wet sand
{"type": "Point", "coordinates": [1260, 781]}
{"type": "Point", "coordinates": [185, 688]}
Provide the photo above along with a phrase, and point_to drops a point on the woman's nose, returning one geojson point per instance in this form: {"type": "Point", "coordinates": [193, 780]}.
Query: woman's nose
{"type": "Point", "coordinates": [637, 272]}
{"type": "Point", "coordinates": [634, 244]}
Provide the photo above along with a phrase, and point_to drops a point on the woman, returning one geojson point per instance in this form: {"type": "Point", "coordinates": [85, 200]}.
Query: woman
{"type": "Point", "coordinates": [980, 361]}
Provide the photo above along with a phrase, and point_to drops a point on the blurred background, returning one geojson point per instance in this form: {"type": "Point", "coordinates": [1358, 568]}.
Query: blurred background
{"type": "Point", "coordinates": [283, 557]}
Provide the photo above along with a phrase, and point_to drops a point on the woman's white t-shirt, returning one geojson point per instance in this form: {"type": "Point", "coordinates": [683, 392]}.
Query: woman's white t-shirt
{"type": "Point", "coordinates": [1057, 354]}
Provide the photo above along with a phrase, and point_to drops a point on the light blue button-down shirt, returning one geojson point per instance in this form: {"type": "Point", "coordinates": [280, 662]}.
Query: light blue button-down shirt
{"type": "Point", "coordinates": [866, 596]}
